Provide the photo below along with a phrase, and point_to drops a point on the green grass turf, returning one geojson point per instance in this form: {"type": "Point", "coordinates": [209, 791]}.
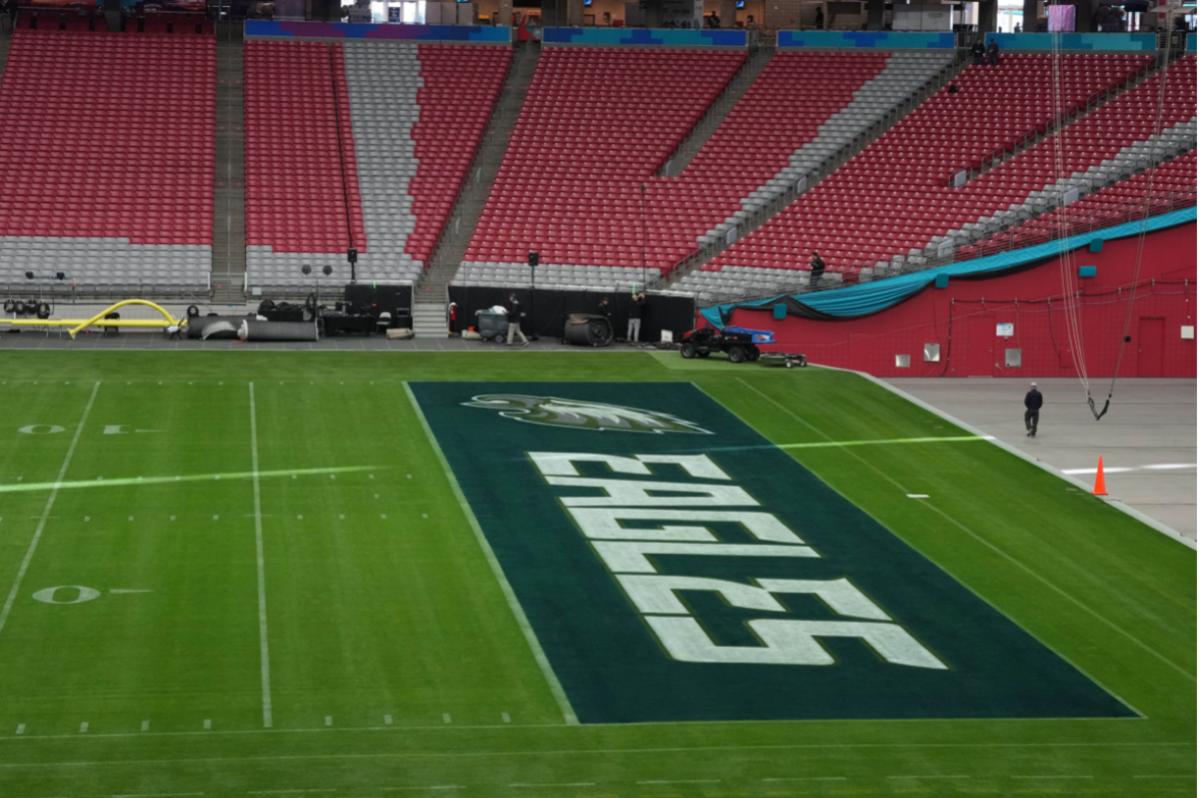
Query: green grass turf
{"type": "Point", "coordinates": [400, 615]}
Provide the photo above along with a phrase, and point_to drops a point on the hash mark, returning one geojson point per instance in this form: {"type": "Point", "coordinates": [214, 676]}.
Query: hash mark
{"type": "Point", "coordinates": [21, 730]}
{"type": "Point", "coordinates": [145, 725]}
{"type": "Point", "coordinates": [445, 717]}
{"type": "Point", "coordinates": [208, 724]}
{"type": "Point", "coordinates": [806, 778]}
{"type": "Point", "coordinates": [504, 716]}
{"type": "Point", "coordinates": [329, 720]}
{"type": "Point", "coordinates": [83, 727]}
{"type": "Point", "coordinates": [430, 787]}
{"type": "Point", "coordinates": [387, 720]}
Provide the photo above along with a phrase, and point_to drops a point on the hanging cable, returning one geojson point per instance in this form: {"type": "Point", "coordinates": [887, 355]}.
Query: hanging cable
{"type": "Point", "coordinates": [1163, 56]}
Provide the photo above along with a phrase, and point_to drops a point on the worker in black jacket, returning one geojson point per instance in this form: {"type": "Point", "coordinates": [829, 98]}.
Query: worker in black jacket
{"type": "Point", "coordinates": [1033, 405]}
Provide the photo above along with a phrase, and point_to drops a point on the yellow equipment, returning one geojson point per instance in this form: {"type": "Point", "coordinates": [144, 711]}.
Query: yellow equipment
{"type": "Point", "coordinates": [75, 326]}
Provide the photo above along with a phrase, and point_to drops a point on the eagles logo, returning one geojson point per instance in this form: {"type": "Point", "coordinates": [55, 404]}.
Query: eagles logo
{"type": "Point", "coordinates": [554, 411]}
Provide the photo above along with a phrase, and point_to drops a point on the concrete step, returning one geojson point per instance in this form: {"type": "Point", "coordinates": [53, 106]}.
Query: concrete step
{"type": "Point", "coordinates": [229, 206]}
{"type": "Point", "coordinates": [429, 320]}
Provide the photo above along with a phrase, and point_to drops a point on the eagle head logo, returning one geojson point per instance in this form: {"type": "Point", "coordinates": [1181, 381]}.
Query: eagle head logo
{"type": "Point", "coordinates": [554, 411]}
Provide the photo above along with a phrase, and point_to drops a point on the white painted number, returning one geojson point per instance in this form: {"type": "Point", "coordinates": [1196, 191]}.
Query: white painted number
{"type": "Point", "coordinates": [67, 594]}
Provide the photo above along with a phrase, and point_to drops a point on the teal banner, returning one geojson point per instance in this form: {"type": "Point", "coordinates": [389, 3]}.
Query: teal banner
{"type": "Point", "coordinates": [1075, 42]}
{"type": "Point", "coordinates": [675, 565]}
{"type": "Point", "coordinates": [646, 37]}
{"type": "Point", "coordinates": [862, 40]}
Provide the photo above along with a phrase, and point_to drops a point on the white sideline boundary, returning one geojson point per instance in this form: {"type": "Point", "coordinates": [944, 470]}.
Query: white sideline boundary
{"type": "Point", "coordinates": [511, 597]}
{"type": "Point", "coordinates": [6, 610]}
{"type": "Point", "coordinates": [1137, 515]}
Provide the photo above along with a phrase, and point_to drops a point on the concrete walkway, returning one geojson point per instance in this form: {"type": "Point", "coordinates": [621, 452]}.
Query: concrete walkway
{"type": "Point", "coordinates": [1147, 438]}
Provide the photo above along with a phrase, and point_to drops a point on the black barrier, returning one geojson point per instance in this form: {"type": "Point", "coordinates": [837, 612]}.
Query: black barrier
{"type": "Point", "coordinates": [375, 299]}
{"type": "Point", "coordinates": [546, 310]}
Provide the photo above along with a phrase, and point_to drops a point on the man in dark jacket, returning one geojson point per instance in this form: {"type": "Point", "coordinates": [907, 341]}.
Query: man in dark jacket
{"type": "Point", "coordinates": [1033, 404]}
{"type": "Point", "coordinates": [817, 268]}
{"type": "Point", "coordinates": [514, 320]}
{"type": "Point", "coordinates": [633, 332]}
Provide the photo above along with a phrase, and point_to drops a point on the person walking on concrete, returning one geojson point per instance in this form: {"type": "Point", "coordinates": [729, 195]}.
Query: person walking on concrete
{"type": "Point", "coordinates": [633, 332]}
{"type": "Point", "coordinates": [1033, 405]}
{"type": "Point", "coordinates": [514, 320]}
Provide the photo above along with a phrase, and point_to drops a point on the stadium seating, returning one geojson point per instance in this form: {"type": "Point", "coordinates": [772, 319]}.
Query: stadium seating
{"type": "Point", "coordinates": [1122, 137]}
{"type": "Point", "coordinates": [410, 116]}
{"type": "Point", "coordinates": [804, 109]}
{"type": "Point", "coordinates": [299, 209]}
{"type": "Point", "coordinates": [1158, 189]}
{"type": "Point", "coordinates": [787, 124]}
{"type": "Point", "coordinates": [419, 112]}
{"type": "Point", "coordinates": [107, 142]}
{"type": "Point", "coordinates": [894, 197]}
{"type": "Point", "coordinates": [597, 124]}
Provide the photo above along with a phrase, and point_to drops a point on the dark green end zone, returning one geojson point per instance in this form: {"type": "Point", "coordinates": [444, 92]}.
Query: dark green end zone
{"type": "Point", "coordinates": [940, 652]}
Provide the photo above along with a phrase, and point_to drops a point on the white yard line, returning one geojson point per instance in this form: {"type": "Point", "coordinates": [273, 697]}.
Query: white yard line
{"type": "Point", "coordinates": [264, 646]}
{"type": "Point", "coordinates": [6, 610]}
{"type": "Point", "coordinates": [887, 477]}
{"type": "Point", "coordinates": [513, 604]}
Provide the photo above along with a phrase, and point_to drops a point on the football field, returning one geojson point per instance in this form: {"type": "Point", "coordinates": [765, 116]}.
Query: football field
{"type": "Point", "coordinates": [560, 574]}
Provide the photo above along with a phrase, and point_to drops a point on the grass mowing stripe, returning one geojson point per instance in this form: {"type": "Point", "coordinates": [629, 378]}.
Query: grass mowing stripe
{"type": "Point", "coordinates": [264, 646]}
{"type": "Point", "coordinates": [502, 754]}
{"type": "Point", "coordinates": [6, 610]}
{"type": "Point", "coordinates": [974, 535]}
{"type": "Point", "coordinates": [515, 606]}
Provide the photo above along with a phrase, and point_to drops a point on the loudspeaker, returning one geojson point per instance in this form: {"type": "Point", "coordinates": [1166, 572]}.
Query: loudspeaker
{"type": "Point", "coordinates": [534, 258]}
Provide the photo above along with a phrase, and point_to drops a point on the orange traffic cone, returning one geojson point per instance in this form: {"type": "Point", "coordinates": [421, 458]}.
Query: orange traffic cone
{"type": "Point", "coordinates": [1099, 488]}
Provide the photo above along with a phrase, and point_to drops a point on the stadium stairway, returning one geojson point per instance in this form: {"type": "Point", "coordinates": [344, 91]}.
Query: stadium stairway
{"type": "Point", "coordinates": [229, 207]}
{"type": "Point", "coordinates": [737, 86]}
{"type": "Point", "coordinates": [844, 135]}
{"type": "Point", "coordinates": [5, 38]}
{"type": "Point", "coordinates": [429, 296]}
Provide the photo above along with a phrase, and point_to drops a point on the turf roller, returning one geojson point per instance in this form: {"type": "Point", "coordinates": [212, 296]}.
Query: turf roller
{"type": "Point", "coordinates": [252, 330]}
